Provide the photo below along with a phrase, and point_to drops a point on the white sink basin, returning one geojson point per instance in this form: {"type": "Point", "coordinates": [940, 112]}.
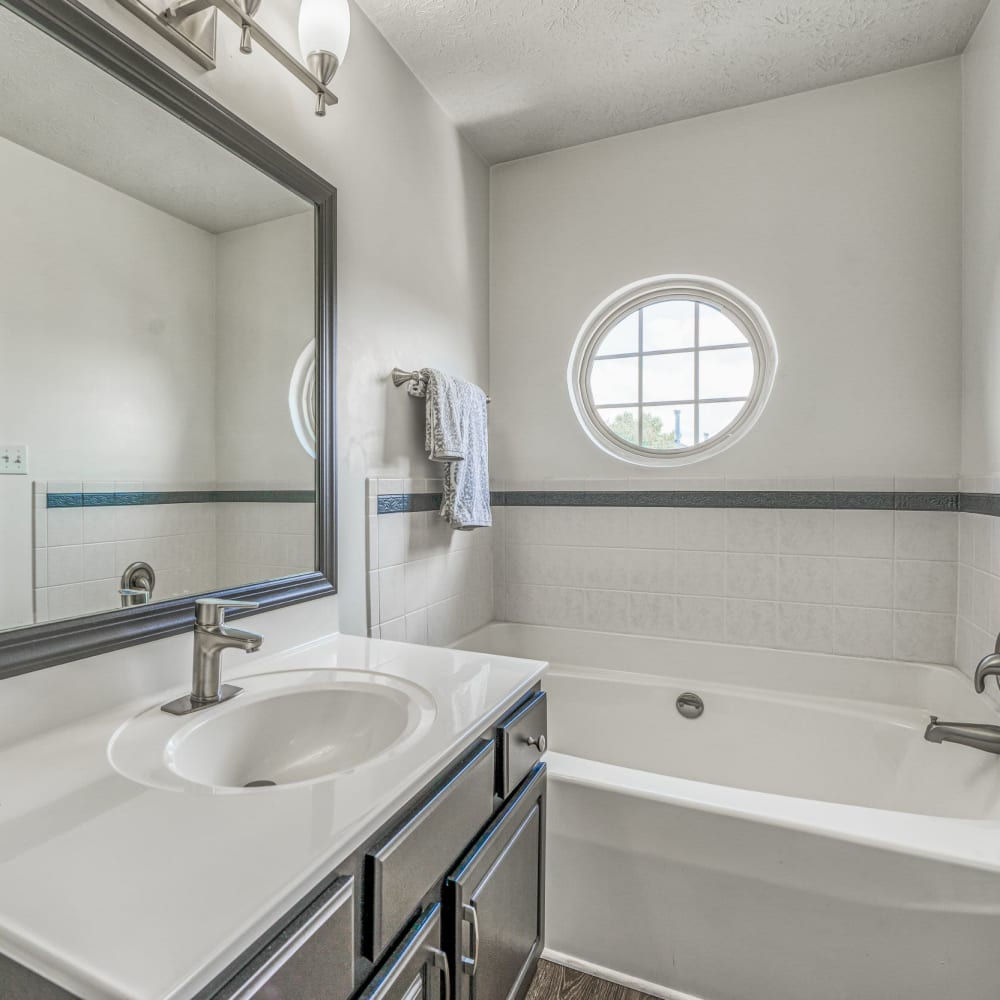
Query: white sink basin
{"type": "Point", "coordinates": [289, 737]}
{"type": "Point", "coordinates": [285, 729]}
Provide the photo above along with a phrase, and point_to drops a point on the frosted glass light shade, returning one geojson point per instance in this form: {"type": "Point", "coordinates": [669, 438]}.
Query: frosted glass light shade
{"type": "Point", "coordinates": [324, 26]}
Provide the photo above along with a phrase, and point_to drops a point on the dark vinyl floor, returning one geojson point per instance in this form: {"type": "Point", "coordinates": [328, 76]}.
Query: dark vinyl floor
{"type": "Point", "coordinates": [556, 982]}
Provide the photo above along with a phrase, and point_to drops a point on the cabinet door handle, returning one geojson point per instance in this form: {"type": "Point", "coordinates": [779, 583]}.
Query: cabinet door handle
{"type": "Point", "coordinates": [471, 963]}
{"type": "Point", "coordinates": [538, 741]}
{"type": "Point", "coordinates": [441, 963]}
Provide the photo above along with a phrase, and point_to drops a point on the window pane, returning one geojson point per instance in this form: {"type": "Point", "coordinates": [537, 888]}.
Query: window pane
{"type": "Point", "coordinates": [667, 326]}
{"type": "Point", "coordinates": [624, 422]}
{"type": "Point", "coordinates": [615, 381]}
{"type": "Point", "coordinates": [623, 338]}
{"type": "Point", "coordinates": [715, 327]}
{"type": "Point", "coordinates": [716, 417]}
{"type": "Point", "coordinates": [725, 373]}
{"type": "Point", "coordinates": [666, 377]}
{"type": "Point", "coordinates": [667, 427]}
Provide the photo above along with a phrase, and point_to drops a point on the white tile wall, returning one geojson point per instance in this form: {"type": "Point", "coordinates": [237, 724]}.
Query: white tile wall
{"type": "Point", "coordinates": [865, 583]}
{"type": "Point", "coordinates": [978, 589]}
{"type": "Point", "coordinates": [81, 553]}
{"type": "Point", "coordinates": [263, 541]}
{"type": "Point", "coordinates": [427, 583]}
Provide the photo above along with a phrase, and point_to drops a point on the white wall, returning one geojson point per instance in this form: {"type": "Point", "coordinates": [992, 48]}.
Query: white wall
{"type": "Point", "coordinates": [72, 290]}
{"type": "Point", "coordinates": [412, 241]}
{"type": "Point", "coordinates": [981, 249]}
{"type": "Point", "coordinates": [265, 317]}
{"type": "Point", "coordinates": [979, 548]}
{"type": "Point", "coordinates": [837, 210]}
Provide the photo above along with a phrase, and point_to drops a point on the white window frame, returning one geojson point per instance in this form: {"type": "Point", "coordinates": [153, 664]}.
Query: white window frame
{"type": "Point", "coordinates": [736, 306]}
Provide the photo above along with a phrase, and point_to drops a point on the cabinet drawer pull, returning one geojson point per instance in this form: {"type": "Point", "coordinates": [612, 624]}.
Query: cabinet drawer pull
{"type": "Point", "coordinates": [537, 741]}
{"type": "Point", "coordinates": [441, 963]}
{"type": "Point", "coordinates": [471, 963]}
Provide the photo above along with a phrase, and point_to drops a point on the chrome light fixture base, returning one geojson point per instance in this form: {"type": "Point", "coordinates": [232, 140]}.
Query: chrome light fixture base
{"type": "Point", "coordinates": [195, 36]}
{"type": "Point", "coordinates": [192, 25]}
{"type": "Point", "coordinates": [323, 65]}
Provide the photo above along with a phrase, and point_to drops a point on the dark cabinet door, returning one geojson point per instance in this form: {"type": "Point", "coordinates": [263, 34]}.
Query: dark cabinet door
{"type": "Point", "coordinates": [417, 969]}
{"type": "Point", "coordinates": [495, 901]}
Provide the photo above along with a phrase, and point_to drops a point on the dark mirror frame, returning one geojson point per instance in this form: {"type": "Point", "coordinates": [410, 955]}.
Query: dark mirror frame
{"type": "Point", "coordinates": [35, 646]}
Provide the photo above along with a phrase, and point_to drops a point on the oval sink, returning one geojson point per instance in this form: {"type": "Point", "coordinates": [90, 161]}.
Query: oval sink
{"type": "Point", "coordinates": [287, 728]}
{"type": "Point", "coordinates": [289, 737]}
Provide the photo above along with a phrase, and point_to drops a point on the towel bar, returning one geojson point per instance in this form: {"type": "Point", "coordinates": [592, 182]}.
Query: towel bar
{"type": "Point", "coordinates": [401, 377]}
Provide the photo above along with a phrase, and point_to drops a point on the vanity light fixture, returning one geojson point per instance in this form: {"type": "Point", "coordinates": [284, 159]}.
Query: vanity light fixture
{"type": "Point", "coordinates": [324, 32]}
{"type": "Point", "coordinates": [191, 25]}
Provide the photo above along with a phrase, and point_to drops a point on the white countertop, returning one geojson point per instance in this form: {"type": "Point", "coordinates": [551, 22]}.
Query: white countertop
{"type": "Point", "coordinates": [114, 889]}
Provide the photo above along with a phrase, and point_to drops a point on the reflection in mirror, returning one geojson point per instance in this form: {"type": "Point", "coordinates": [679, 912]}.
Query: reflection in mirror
{"type": "Point", "coordinates": [156, 296]}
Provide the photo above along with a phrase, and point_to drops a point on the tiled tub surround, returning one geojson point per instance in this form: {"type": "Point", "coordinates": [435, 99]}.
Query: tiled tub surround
{"type": "Point", "coordinates": [878, 583]}
{"type": "Point", "coordinates": [203, 539]}
{"type": "Point", "coordinates": [263, 540]}
{"type": "Point", "coordinates": [864, 567]}
{"type": "Point", "coordinates": [978, 585]}
{"type": "Point", "coordinates": [427, 583]}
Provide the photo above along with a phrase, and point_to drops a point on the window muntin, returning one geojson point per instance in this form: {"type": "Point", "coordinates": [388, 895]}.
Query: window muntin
{"type": "Point", "coordinates": [672, 369]}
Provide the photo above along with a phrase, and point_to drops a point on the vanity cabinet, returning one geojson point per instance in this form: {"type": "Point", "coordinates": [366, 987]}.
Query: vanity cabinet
{"type": "Point", "coordinates": [449, 894]}
{"type": "Point", "coordinates": [495, 901]}
{"type": "Point", "coordinates": [445, 901]}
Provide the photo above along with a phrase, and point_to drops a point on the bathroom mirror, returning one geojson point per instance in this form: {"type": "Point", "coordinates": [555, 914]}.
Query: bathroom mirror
{"type": "Point", "coordinates": [166, 345]}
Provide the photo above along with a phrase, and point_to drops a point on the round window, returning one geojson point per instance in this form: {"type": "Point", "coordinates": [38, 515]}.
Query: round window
{"type": "Point", "coordinates": [302, 398]}
{"type": "Point", "coordinates": [672, 369]}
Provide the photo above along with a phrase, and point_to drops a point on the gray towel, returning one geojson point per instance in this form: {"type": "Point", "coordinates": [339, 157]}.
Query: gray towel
{"type": "Point", "coordinates": [457, 436]}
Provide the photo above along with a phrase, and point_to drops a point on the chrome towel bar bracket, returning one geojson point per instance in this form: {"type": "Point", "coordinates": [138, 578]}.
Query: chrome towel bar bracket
{"type": "Point", "coordinates": [400, 377]}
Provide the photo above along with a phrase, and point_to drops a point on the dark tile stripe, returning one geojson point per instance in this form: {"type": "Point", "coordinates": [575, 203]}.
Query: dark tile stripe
{"type": "Point", "coordinates": [769, 500]}
{"type": "Point", "coordinates": [980, 503]}
{"type": "Point", "coordinates": [264, 496]}
{"type": "Point", "coordinates": [146, 499]}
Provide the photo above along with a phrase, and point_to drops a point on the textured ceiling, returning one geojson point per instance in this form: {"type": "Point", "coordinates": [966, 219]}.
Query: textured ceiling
{"type": "Point", "coordinates": [57, 104]}
{"type": "Point", "coordinates": [526, 76]}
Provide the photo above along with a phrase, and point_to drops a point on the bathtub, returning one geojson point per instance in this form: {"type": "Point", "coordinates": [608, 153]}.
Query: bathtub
{"type": "Point", "coordinates": [798, 841]}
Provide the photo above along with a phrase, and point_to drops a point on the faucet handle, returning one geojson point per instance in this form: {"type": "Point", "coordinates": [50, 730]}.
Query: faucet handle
{"type": "Point", "coordinates": [210, 612]}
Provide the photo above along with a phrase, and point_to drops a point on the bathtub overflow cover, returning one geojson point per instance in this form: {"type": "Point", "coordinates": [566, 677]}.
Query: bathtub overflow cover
{"type": "Point", "coordinates": [690, 705]}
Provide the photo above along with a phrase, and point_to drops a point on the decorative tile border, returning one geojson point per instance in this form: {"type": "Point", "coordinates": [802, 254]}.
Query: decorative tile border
{"type": "Point", "coordinates": [771, 500]}
{"type": "Point", "coordinates": [145, 499]}
{"type": "Point", "coordinates": [408, 503]}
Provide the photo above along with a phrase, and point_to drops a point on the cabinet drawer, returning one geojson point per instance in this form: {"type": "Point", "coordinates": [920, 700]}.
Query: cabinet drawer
{"type": "Point", "coordinates": [417, 969]}
{"type": "Point", "coordinates": [310, 959]}
{"type": "Point", "coordinates": [401, 870]}
{"type": "Point", "coordinates": [521, 741]}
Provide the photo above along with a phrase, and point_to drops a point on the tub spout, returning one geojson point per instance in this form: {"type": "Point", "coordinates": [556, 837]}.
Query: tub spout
{"type": "Point", "coordinates": [968, 734]}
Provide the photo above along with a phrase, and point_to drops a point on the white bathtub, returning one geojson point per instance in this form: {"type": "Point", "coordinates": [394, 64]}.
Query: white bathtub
{"type": "Point", "coordinates": [799, 841]}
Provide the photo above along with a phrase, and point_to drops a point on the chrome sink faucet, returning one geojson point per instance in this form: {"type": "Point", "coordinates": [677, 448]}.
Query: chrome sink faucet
{"type": "Point", "coordinates": [211, 636]}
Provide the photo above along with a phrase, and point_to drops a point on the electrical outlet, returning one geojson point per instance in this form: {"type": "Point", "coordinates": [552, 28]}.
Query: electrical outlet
{"type": "Point", "coordinates": [13, 459]}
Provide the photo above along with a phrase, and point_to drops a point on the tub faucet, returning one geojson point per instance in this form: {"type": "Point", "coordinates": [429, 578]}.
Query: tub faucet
{"type": "Point", "coordinates": [211, 636]}
{"type": "Point", "coordinates": [989, 666]}
{"type": "Point", "coordinates": [967, 734]}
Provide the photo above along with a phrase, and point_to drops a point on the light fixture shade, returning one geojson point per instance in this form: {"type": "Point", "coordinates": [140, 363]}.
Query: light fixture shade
{"type": "Point", "coordinates": [324, 26]}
